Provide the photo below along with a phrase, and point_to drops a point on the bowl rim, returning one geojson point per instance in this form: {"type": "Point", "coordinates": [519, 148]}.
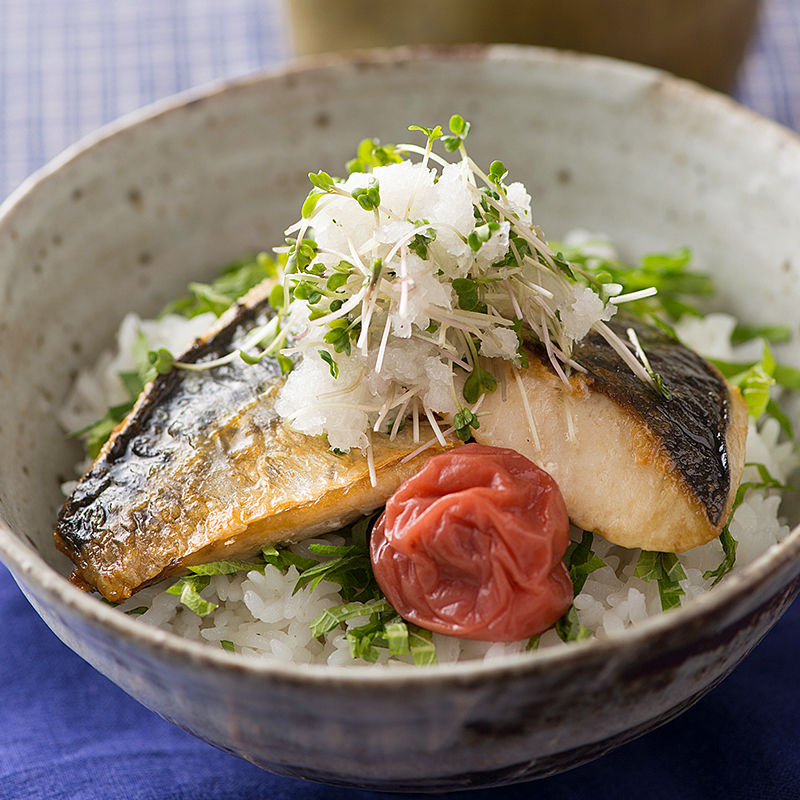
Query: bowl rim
{"type": "Point", "coordinates": [26, 564]}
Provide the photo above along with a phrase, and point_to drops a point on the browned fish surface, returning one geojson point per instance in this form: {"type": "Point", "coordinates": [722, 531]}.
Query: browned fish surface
{"type": "Point", "coordinates": [204, 469]}
{"type": "Point", "coordinates": [641, 470]}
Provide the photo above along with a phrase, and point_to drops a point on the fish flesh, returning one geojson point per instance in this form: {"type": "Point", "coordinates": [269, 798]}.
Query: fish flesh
{"type": "Point", "coordinates": [636, 467]}
{"type": "Point", "coordinates": [203, 469]}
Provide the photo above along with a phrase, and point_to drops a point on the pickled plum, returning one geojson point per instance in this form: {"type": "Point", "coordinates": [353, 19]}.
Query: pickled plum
{"type": "Point", "coordinates": [472, 545]}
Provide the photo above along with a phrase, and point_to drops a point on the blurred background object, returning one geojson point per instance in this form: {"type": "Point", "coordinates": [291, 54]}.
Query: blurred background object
{"type": "Point", "coordinates": [704, 40]}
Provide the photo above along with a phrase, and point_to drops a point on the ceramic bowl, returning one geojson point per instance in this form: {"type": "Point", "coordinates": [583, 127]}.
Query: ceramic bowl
{"type": "Point", "coordinates": [125, 218]}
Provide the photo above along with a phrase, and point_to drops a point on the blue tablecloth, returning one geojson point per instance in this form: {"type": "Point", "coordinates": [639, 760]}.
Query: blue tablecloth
{"type": "Point", "coordinates": [66, 731]}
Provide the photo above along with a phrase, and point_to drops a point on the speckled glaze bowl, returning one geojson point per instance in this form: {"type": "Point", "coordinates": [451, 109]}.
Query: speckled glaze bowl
{"type": "Point", "coordinates": [124, 219]}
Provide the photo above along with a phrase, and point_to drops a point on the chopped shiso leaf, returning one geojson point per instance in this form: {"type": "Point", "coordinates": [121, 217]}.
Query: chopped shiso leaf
{"type": "Point", "coordinates": [666, 570]}
{"type": "Point", "coordinates": [333, 617]}
{"type": "Point", "coordinates": [581, 561]}
{"type": "Point", "coordinates": [423, 651]}
{"type": "Point", "coordinates": [668, 273]}
{"type": "Point", "coordinates": [726, 540]}
{"type": "Point", "coordinates": [284, 558]}
{"type": "Point", "coordinates": [569, 628]}
{"type": "Point", "coordinates": [396, 633]}
{"type": "Point", "coordinates": [728, 559]}
{"type": "Point", "coordinates": [756, 380]}
{"type": "Point", "coordinates": [226, 567]}
{"type": "Point", "coordinates": [148, 363]}
{"type": "Point", "coordinates": [188, 590]}
{"type": "Point", "coordinates": [97, 433]}
{"type": "Point", "coordinates": [755, 384]}
{"type": "Point", "coordinates": [774, 410]}
{"type": "Point", "coordinates": [347, 565]}
{"type": "Point", "coordinates": [786, 376]}
{"type": "Point", "coordinates": [226, 644]}
{"type": "Point", "coordinates": [350, 567]}
{"type": "Point", "coordinates": [235, 280]}
{"type": "Point", "coordinates": [774, 334]}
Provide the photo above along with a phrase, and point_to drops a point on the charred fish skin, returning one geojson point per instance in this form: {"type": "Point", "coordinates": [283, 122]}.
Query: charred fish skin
{"type": "Point", "coordinates": [204, 469]}
{"type": "Point", "coordinates": [170, 416]}
{"type": "Point", "coordinates": [691, 424]}
{"type": "Point", "coordinates": [641, 470]}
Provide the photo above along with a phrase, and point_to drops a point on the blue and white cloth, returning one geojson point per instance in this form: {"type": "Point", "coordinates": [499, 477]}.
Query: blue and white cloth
{"type": "Point", "coordinates": [68, 66]}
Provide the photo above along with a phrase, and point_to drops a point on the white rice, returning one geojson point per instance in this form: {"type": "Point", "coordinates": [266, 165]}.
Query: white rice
{"type": "Point", "coordinates": [261, 617]}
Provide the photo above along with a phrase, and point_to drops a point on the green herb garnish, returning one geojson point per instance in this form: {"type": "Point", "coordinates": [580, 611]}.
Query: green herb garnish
{"type": "Point", "coordinates": [569, 628]}
{"type": "Point", "coordinates": [581, 561]}
{"type": "Point", "coordinates": [368, 197]}
{"type": "Point", "coordinates": [464, 422]}
{"type": "Point", "coordinates": [329, 360]}
{"type": "Point", "coordinates": [349, 566]}
{"type": "Point", "coordinates": [371, 154]}
{"type": "Point", "coordinates": [459, 130]}
{"type": "Point", "coordinates": [726, 539]}
{"type": "Point", "coordinates": [226, 567]}
{"type": "Point", "coordinates": [774, 334]}
{"type": "Point", "coordinates": [756, 379]}
{"type": "Point", "coordinates": [666, 570]}
{"type": "Point", "coordinates": [668, 273]}
{"type": "Point", "coordinates": [188, 590]}
{"type": "Point", "coordinates": [478, 382]}
{"type": "Point", "coordinates": [333, 617]}
{"type": "Point", "coordinates": [235, 280]}
{"type": "Point", "coordinates": [728, 559]}
{"type": "Point", "coordinates": [284, 558]}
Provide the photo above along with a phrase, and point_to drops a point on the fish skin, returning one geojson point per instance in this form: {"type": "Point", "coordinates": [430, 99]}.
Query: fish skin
{"type": "Point", "coordinates": [203, 469]}
{"type": "Point", "coordinates": [641, 470]}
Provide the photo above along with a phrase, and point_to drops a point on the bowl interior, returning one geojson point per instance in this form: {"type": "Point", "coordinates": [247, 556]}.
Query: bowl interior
{"type": "Point", "coordinates": [124, 222]}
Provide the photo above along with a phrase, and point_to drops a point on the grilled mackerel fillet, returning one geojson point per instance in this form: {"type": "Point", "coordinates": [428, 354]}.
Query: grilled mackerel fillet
{"type": "Point", "coordinates": [203, 469]}
{"type": "Point", "coordinates": [639, 469]}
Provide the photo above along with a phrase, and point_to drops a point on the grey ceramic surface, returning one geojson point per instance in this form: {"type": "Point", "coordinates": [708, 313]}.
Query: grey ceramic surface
{"type": "Point", "coordinates": [124, 220]}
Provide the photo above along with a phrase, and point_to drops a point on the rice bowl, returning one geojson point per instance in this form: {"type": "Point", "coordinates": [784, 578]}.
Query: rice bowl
{"type": "Point", "coordinates": [272, 713]}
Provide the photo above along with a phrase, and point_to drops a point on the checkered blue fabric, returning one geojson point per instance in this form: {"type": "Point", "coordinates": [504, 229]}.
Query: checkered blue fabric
{"type": "Point", "coordinates": [769, 81]}
{"type": "Point", "coordinates": [68, 66]}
